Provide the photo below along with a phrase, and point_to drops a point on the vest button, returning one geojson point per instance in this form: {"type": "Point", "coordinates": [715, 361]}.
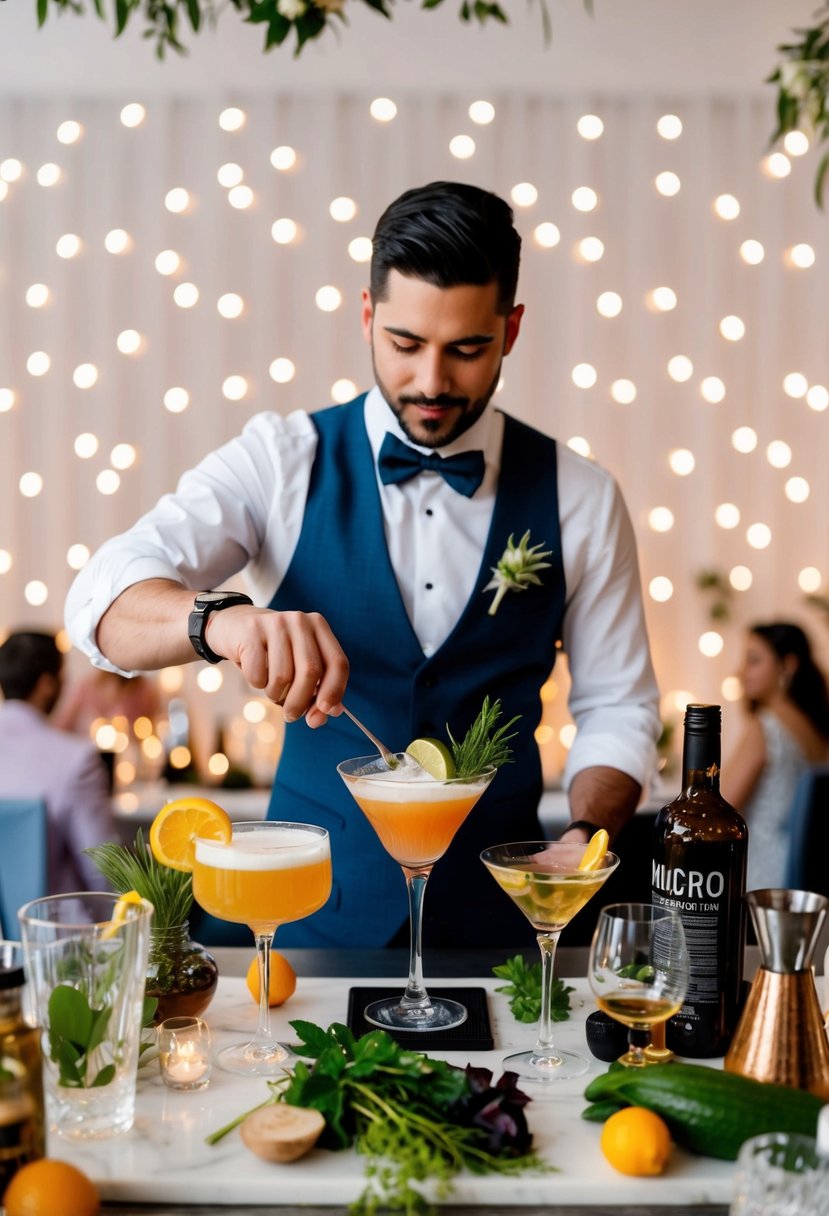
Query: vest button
{"type": "Point", "coordinates": [429, 681]}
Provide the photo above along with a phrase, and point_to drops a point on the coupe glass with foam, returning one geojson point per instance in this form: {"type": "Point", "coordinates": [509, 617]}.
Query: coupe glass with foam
{"type": "Point", "coordinates": [416, 817]}
{"type": "Point", "coordinates": [269, 874]}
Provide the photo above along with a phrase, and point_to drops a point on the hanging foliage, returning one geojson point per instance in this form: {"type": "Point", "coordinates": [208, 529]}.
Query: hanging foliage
{"type": "Point", "coordinates": [802, 81]}
{"type": "Point", "coordinates": [166, 20]}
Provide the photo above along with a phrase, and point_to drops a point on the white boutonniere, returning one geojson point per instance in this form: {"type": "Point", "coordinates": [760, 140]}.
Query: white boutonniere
{"type": "Point", "coordinates": [517, 569]}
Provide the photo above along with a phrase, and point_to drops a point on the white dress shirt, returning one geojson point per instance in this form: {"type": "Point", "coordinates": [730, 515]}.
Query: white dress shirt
{"type": "Point", "coordinates": [242, 508]}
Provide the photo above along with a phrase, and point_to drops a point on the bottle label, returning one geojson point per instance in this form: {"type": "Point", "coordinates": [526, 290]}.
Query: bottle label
{"type": "Point", "coordinates": [703, 882]}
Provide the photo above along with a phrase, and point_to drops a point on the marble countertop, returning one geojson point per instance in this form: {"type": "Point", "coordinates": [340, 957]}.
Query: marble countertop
{"type": "Point", "coordinates": [164, 1159]}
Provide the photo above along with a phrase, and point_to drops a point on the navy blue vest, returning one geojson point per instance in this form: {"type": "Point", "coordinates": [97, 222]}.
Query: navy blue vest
{"type": "Point", "coordinates": [341, 569]}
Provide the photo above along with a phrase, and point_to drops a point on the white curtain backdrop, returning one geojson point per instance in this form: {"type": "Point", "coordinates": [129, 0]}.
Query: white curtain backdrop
{"type": "Point", "coordinates": [115, 177]}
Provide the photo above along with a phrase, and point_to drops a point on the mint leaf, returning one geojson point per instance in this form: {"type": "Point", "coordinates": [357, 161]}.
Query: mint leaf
{"type": "Point", "coordinates": [524, 991]}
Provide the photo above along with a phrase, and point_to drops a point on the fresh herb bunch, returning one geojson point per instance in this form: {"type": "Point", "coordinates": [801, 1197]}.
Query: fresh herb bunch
{"type": "Point", "coordinates": [169, 891]}
{"type": "Point", "coordinates": [483, 745]}
{"type": "Point", "coordinates": [416, 1119]}
{"type": "Point", "coordinates": [524, 991]}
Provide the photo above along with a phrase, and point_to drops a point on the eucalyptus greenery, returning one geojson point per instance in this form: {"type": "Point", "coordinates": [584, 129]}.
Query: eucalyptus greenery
{"type": "Point", "coordinates": [169, 891]}
{"type": "Point", "coordinates": [165, 19]}
{"type": "Point", "coordinates": [802, 81]}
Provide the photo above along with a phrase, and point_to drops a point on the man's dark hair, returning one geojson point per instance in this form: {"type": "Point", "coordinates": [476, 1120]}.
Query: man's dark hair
{"type": "Point", "coordinates": [448, 234]}
{"type": "Point", "coordinates": [24, 657]}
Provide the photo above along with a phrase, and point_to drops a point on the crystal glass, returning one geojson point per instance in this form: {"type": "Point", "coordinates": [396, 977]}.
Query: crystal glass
{"type": "Point", "coordinates": [638, 971]}
{"type": "Point", "coordinates": [86, 962]}
{"type": "Point", "coordinates": [543, 878]}
{"type": "Point", "coordinates": [781, 1174]}
{"type": "Point", "coordinates": [269, 874]}
{"type": "Point", "coordinates": [416, 818]}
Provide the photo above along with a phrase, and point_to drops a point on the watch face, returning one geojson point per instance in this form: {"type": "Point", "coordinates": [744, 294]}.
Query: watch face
{"type": "Point", "coordinates": [211, 597]}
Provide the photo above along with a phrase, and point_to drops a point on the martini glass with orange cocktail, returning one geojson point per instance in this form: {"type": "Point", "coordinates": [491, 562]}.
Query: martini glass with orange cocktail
{"type": "Point", "coordinates": [550, 881]}
{"type": "Point", "coordinates": [416, 820]}
{"type": "Point", "coordinates": [416, 808]}
{"type": "Point", "coordinates": [259, 874]}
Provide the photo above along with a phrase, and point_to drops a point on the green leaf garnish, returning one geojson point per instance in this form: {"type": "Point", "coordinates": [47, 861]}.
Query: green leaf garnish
{"type": "Point", "coordinates": [524, 991]}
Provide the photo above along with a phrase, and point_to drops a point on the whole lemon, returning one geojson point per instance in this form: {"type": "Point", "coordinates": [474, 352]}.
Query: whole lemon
{"type": "Point", "coordinates": [636, 1142]}
{"type": "Point", "coordinates": [51, 1188]}
{"type": "Point", "coordinates": [282, 983]}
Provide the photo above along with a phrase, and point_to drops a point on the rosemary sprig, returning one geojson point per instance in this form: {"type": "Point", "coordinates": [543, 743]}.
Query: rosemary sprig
{"type": "Point", "coordinates": [483, 744]}
{"type": "Point", "coordinates": [169, 891]}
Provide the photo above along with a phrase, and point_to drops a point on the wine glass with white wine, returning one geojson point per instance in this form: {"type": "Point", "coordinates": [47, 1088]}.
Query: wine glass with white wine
{"type": "Point", "coordinates": [638, 971]}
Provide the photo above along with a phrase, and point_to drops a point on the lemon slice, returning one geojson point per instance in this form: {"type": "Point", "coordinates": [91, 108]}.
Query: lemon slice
{"type": "Point", "coordinates": [119, 912]}
{"type": "Point", "coordinates": [433, 756]}
{"type": "Point", "coordinates": [594, 854]}
{"type": "Point", "coordinates": [177, 825]}
{"type": "Point", "coordinates": [514, 882]}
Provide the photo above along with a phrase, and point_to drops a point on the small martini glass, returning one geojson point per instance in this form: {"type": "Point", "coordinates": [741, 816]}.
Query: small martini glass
{"type": "Point", "coordinates": [543, 878]}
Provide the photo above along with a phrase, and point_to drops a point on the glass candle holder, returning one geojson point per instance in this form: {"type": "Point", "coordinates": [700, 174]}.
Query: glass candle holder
{"type": "Point", "coordinates": [184, 1053]}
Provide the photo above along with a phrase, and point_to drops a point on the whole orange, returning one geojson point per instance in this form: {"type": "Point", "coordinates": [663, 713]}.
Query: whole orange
{"type": "Point", "coordinates": [51, 1188]}
{"type": "Point", "coordinates": [282, 983]}
{"type": "Point", "coordinates": [636, 1142]}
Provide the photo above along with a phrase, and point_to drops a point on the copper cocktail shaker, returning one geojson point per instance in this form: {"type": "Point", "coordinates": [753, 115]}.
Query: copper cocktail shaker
{"type": "Point", "coordinates": [780, 1036]}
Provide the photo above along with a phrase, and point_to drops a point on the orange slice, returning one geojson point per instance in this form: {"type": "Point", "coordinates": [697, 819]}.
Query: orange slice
{"type": "Point", "coordinates": [594, 854]}
{"type": "Point", "coordinates": [176, 826]}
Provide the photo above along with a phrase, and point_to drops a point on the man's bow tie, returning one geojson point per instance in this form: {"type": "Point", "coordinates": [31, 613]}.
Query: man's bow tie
{"type": "Point", "coordinates": [398, 462]}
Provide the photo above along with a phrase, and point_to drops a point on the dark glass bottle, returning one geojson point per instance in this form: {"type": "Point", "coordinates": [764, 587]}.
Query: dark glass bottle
{"type": "Point", "coordinates": [21, 1083]}
{"type": "Point", "coordinates": [699, 868]}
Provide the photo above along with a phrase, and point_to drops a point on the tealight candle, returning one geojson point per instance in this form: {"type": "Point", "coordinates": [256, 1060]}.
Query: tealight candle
{"type": "Point", "coordinates": [184, 1053]}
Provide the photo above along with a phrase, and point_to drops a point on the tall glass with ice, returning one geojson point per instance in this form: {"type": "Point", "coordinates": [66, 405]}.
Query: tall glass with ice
{"type": "Point", "coordinates": [416, 818]}
{"type": "Point", "coordinates": [270, 873]}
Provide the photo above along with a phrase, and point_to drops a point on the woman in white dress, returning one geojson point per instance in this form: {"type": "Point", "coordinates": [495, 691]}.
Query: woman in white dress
{"type": "Point", "coordinates": [787, 731]}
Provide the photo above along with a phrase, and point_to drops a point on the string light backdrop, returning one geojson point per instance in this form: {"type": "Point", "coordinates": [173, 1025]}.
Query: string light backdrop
{"type": "Point", "coordinates": [170, 267]}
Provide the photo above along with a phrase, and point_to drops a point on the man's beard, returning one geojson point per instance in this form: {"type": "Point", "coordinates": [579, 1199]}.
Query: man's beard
{"type": "Point", "coordinates": [469, 412]}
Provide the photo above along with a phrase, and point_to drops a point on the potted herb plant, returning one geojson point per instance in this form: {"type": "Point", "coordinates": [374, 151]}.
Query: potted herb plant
{"type": "Point", "coordinates": [181, 974]}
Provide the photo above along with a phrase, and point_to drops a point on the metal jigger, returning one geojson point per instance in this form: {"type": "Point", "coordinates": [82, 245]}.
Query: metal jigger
{"type": "Point", "coordinates": [780, 1036]}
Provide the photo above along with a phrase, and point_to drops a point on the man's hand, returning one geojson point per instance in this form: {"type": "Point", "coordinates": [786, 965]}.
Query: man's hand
{"type": "Point", "coordinates": [292, 656]}
{"type": "Point", "coordinates": [601, 797]}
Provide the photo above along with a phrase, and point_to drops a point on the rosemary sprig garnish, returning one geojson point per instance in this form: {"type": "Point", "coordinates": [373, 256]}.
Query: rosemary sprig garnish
{"type": "Point", "coordinates": [483, 745]}
{"type": "Point", "coordinates": [169, 891]}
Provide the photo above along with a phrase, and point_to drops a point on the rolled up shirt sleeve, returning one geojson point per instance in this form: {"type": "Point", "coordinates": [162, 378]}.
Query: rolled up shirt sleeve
{"type": "Point", "coordinates": [239, 509]}
{"type": "Point", "coordinates": [614, 699]}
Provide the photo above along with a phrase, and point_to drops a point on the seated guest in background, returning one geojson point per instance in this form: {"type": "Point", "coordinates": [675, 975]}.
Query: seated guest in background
{"type": "Point", "coordinates": [39, 761]}
{"type": "Point", "coordinates": [788, 731]}
{"type": "Point", "coordinates": [106, 694]}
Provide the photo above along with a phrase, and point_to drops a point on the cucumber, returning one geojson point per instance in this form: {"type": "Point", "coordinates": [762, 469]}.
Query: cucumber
{"type": "Point", "coordinates": [710, 1112]}
{"type": "Point", "coordinates": [598, 1112]}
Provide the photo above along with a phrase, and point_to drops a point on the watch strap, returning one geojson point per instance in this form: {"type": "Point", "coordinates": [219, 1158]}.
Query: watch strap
{"type": "Point", "coordinates": [206, 603]}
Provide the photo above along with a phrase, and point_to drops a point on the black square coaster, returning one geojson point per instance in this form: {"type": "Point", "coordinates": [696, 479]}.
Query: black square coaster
{"type": "Point", "coordinates": [475, 1034]}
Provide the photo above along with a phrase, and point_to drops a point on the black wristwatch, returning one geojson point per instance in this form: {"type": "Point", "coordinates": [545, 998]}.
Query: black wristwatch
{"type": "Point", "coordinates": [205, 603]}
